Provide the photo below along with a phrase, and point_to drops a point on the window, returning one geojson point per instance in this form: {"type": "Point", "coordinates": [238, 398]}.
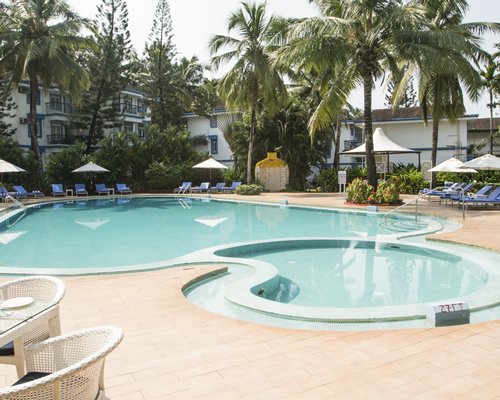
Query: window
{"type": "Point", "coordinates": [55, 102]}
{"type": "Point", "coordinates": [128, 127]}
{"type": "Point", "coordinates": [56, 128]}
{"type": "Point", "coordinates": [213, 144]}
{"type": "Point", "coordinates": [140, 105]}
{"type": "Point", "coordinates": [127, 105]}
{"type": "Point", "coordinates": [142, 132]}
{"type": "Point", "coordinates": [38, 128]}
{"type": "Point", "coordinates": [213, 122]}
{"type": "Point", "coordinates": [37, 98]}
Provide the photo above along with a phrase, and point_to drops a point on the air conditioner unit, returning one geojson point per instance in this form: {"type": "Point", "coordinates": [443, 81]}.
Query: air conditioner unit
{"type": "Point", "coordinates": [23, 89]}
{"type": "Point", "coordinates": [23, 121]}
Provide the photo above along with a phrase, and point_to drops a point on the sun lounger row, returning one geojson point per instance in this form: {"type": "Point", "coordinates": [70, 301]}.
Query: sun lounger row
{"type": "Point", "coordinates": [19, 192]}
{"type": "Point", "coordinates": [100, 189]}
{"type": "Point", "coordinates": [220, 187]}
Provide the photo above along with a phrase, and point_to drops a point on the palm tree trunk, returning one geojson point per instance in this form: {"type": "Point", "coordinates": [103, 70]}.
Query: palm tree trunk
{"type": "Point", "coordinates": [33, 121]}
{"type": "Point", "coordinates": [492, 137]}
{"type": "Point", "coordinates": [370, 156]}
{"type": "Point", "coordinates": [253, 125]}
{"type": "Point", "coordinates": [435, 136]}
{"type": "Point", "coordinates": [336, 154]}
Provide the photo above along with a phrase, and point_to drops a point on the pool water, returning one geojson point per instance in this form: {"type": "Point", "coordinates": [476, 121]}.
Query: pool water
{"type": "Point", "coordinates": [360, 275]}
{"type": "Point", "coordinates": [115, 234]}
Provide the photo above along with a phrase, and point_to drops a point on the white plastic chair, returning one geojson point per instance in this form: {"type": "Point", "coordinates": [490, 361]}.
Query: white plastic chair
{"type": "Point", "coordinates": [73, 365]}
{"type": "Point", "coordinates": [41, 288]}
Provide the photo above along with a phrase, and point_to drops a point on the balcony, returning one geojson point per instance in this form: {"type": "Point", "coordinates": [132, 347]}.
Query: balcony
{"type": "Point", "coordinates": [129, 109]}
{"type": "Point", "coordinates": [58, 109]}
{"type": "Point", "coordinates": [60, 138]}
{"type": "Point", "coordinates": [351, 144]}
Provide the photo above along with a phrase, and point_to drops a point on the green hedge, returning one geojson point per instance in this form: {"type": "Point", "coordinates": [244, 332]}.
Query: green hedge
{"type": "Point", "coordinates": [249, 189]}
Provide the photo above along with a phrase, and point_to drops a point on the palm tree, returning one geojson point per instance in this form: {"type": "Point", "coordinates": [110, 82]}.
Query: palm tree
{"type": "Point", "coordinates": [361, 40]}
{"type": "Point", "coordinates": [490, 77]}
{"type": "Point", "coordinates": [253, 82]}
{"type": "Point", "coordinates": [441, 90]}
{"type": "Point", "coordinates": [39, 40]}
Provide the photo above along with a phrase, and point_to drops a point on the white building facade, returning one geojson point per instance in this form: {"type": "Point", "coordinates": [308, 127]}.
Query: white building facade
{"type": "Point", "coordinates": [54, 109]}
{"type": "Point", "coordinates": [405, 127]}
{"type": "Point", "coordinates": [211, 128]}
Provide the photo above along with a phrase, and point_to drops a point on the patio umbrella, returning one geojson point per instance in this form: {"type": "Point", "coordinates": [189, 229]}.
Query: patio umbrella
{"type": "Point", "coordinates": [451, 165]}
{"type": "Point", "coordinates": [91, 167]}
{"type": "Point", "coordinates": [210, 164]}
{"type": "Point", "coordinates": [486, 162]}
{"type": "Point", "coordinates": [6, 167]}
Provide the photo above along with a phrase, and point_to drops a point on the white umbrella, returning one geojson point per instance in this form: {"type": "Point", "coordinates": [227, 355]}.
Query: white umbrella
{"type": "Point", "coordinates": [91, 167]}
{"type": "Point", "coordinates": [210, 164]}
{"type": "Point", "coordinates": [451, 165]}
{"type": "Point", "coordinates": [486, 162]}
{"type": "Point", "coordinates": [6, 167]}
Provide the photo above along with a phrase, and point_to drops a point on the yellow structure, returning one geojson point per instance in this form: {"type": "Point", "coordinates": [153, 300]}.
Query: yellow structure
{"type": "Point", "coordinates": [272, 172]}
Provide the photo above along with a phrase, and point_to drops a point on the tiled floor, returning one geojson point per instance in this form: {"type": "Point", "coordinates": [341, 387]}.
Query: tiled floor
{"type": "Point", "coordinates": [174, 350]}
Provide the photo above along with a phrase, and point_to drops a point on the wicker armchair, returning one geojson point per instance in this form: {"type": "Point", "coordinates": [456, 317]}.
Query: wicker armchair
{"type": "Point", "coordinates": [41, 288]}
{"type": "Point", "coordinates": [66, 367]}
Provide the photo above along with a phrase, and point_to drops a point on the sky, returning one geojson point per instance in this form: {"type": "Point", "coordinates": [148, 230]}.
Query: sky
{"type": "Point", "coordinates": [194, 22]}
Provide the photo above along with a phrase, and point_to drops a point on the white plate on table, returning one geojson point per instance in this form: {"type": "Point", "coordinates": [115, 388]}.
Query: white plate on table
{"type": "Point", "coordinates": [17, 302]}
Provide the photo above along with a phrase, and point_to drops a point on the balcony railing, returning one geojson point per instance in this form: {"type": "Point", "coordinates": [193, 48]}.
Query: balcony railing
{"type": "Point", "coordinates": [58, 108]}
{"type": "Point", "coordinates": [126, 108]}
{"type": "Point", "coordinates": [351, 144]}
{"type": "Point", "coordinates": [60, 138]}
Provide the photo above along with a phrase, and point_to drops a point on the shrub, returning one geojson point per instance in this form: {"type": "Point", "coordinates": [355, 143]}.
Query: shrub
{"type": "Point", "coordinates": [387, 192]}
{"type": "Point", "coordinates": [359, 191]}
{"type": "Point", "coordinates": [409, 180]}
{"type": "Point", "coordinates": [327, 180]}
{"type": "Point", "coordinates": [249, 189]}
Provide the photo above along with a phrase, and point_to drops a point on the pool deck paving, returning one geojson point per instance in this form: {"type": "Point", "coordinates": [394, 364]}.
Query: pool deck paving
{"type": "Point", "coordinates": [173, 349]}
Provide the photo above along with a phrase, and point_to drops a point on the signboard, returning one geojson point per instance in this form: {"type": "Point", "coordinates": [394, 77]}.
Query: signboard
{"type": "Point", "coordinates": [448, 314]}
{"type": "Point", "coordinates": [342, 178]}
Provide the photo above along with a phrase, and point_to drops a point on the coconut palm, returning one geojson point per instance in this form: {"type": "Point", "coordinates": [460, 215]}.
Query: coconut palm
{"type": "Point", "coordinates": [38, 41]}
{"type": "Point", "coordinates": [362, 40]}
{"type": "Point", "coordinates": [442, 86]}
{"type": "Point", "coordinates": [252, 82]}
{"type": "Point", "coordinates": [490, 77]}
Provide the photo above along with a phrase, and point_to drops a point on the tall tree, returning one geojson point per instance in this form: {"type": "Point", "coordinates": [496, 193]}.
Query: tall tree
{"type": "Point", "coordinates": [7, 107]}
{"type": "Point", "coordinates": [39, 40]}
{"type": "Point", "coordinates": [109, 65]}
{"type": "Point", "coordinates": [441, 87]}
{"type": "Point", "coordinates": [362, 39]}
{"type": "Point", "coordinates": [490, 77]}
{"type": "Point", "coordinates": [253, 82]}
{"type": "Point", "coordinates": [159, 76]}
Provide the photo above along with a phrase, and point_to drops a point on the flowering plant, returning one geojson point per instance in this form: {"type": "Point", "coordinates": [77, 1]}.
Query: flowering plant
{"type": "Point", "coordinates": [360, 192]}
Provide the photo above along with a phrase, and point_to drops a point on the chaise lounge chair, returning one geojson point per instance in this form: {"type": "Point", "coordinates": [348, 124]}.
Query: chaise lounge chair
{"type": "Point", "coordinates": [123, 189]}
{"type": "Point", "coordinates": [3, 193]}
{"type": "Point", "coordinates": [100, 188]}
{"type": "Point", "coordinates": [184, 188]}
{"type": "Point", "coordinates": [492, 198]}
{"type": "Point", "coordinates": [23, 191]}
{"type": "Point", "coordinates": [458, 192]}
{"type": "Point", "coordinates": [80, 189]}
{"type": "Point", "coordinates": [57, 190]}
{"type": "Point", "coordinates": [481, 193]}
{"type": "Point", "coordinates": [202, 188]}
{"type": "Point", "coordinates": [217, 188]}
{"type": "Point", "coordinates": [231, 188]}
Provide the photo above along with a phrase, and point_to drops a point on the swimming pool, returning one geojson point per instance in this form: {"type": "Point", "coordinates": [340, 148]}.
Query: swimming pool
{"type": "Point", "coordinates": [133, 233]}
{"type": "Point", "coordinates": [271, 253]}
